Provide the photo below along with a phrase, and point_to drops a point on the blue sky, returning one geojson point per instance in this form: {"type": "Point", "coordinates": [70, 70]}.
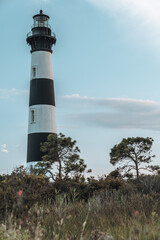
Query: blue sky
{"type": "Point", "coordinates": [106, 67]}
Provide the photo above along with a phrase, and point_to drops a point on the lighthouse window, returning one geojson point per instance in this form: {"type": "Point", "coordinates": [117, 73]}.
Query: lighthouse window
{"type": "Point", "coordinates": [32, 116]}
{"type": "Point", "coordinates": [34, 72]}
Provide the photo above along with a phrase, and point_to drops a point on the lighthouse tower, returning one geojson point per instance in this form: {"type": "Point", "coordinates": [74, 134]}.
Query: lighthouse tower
{"type": "Point", "coordinates": [42, 113]}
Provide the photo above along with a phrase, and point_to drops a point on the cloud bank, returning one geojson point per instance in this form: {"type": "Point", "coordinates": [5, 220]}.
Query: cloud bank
{"type": "Point", "coordinates": [118, 113]}
{"type": "Point", "coordinates": [142, 15]}
{"type": "Point", "coordinates": [7, 93]}
{"type": "Point", "coordinates": [41, 1]}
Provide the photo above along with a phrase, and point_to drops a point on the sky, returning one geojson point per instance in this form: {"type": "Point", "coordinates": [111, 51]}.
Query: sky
{"type": "Point", "coordinates": [106, 65]}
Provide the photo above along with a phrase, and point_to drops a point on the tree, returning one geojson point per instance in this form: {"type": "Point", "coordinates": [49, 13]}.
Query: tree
{"type": "Point", "coordinates": [155, 169]}
{"type": "Point", "coordinates": [62, 152]}
{"type": "Point", "coordinates": [115, 174]}
{"type": "Point", "coordinates": [134, 152]}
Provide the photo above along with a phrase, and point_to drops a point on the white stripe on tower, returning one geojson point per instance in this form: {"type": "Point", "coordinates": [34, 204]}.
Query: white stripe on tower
{"type": "Point", "coordinates": [44, 119]}
{"type": "Point", "coordinates": [42, 62]}
{"type": "Point", "coordinates": [42, 113]}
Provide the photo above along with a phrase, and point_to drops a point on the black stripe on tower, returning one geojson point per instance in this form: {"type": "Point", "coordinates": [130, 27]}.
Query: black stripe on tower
{"type": "Point", "coordinates": [42, 92]}
{"type": "Point", "coordinates": [34, 142]}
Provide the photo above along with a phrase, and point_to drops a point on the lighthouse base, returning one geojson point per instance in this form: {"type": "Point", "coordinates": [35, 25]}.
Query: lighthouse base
{"type": "Point", "coordinates": [34, 143]}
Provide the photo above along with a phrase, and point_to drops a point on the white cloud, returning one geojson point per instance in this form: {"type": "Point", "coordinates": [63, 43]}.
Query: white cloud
{"type": "Point", "coordinates": [4, 148]}
{"type": "Point", "coordinates": [115, 103]}
{"type": "Point", "coordinates": [41, 1]}
{"type": "Point", "coordinates": [74, 96]}
{"type": "Point", "coordinates": [122, 113]}
{"type": "Point", "coordinates": [7, 93]}
{"type": "Point", "coordinates": [143, 16]}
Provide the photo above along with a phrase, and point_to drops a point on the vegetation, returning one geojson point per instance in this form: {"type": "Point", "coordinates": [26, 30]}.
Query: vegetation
{"type": "Point", "coordinates": [62, 152]}
{"type": "Point", "coordinates": [71, 207]}
{"type": "Point", "coordinates": [108, 216]}
{"type": "Point", "coordinates": [32, 207]}
{"type": "Point", "coordinates": [134, 152]}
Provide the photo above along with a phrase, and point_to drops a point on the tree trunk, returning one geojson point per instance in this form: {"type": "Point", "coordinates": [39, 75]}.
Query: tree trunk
{"type": "Point", "coordinates": [137, 170]}
{"type": "Point", "coordinates": [60, 169]}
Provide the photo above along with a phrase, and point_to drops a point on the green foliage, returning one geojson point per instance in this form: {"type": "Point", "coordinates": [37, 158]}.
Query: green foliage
{"type": "Point", "coordinates": [155, 169]}
{"type": "Point", "coordinates": [61, 152]}
{"type": "Point", "coordinates": [134, 152]}
{"type": "Point", "coordinates": [107, 215]}
{"type": "Point", "coordinates": [71, 207]}
{"type": "Point", "coordinates": [115, 174]}
{"type": "Point", "coordinates": [32, 207]}
{"type": "Point", "coordinates": [147, 184]}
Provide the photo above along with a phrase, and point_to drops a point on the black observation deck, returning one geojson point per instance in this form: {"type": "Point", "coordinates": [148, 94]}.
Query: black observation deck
{"type": "Point", "coordinates": [41, 38]}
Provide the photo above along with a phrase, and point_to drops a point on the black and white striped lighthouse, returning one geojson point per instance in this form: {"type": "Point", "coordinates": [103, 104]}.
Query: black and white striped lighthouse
{"type": "Point", "coordinates": [42, 113]}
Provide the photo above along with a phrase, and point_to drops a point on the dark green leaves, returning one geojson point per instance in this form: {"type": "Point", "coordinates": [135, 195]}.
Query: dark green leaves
{"type": "Point", "coordinates": [134, 151]}
{"type": "Point", "coordinates": [62, 154]}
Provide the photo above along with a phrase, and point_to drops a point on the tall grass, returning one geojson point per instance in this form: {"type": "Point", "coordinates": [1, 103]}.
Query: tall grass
{"type": "Point", "coordinates": [106, 216]}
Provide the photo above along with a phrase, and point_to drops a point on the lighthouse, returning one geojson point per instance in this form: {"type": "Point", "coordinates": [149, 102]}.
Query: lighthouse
{"type": "Point", "coordinates": [42, 111]}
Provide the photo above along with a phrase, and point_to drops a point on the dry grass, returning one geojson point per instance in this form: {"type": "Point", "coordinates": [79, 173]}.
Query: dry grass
{"type": "Point", "coordinates": [109, 216]}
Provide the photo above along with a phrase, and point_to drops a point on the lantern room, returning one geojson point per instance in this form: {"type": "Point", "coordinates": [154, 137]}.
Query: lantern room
{"type": "Point", "coordinates": [41, 20]}
{"type": "Point", "coordinates": [41, 37]}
